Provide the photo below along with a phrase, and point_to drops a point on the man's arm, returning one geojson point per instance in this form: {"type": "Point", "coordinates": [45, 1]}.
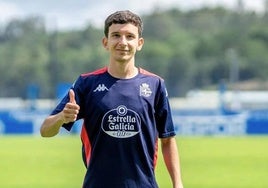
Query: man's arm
{"type": "Point", "coordinates": [53, 123]}
{"type": "Point", "coordinates": [171, 158]}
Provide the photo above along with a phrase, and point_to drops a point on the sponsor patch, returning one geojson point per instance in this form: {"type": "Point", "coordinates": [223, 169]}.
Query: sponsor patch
{"type": "Point", "coordinates": [121, 122]}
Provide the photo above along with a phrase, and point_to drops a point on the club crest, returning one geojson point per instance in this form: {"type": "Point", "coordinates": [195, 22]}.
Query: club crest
{"type": "Point", "coordinates": [145, 90]}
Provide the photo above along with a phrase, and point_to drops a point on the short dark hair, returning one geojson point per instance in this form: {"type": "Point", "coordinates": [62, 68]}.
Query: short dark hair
{"type": "Point", "coordinates": [123, 17]}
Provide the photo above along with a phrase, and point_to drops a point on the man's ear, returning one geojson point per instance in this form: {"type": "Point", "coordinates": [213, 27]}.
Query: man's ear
{"type": "Point", "coordinates": [105, 43]}
{"type": "Point", "coordinates": [140, 43]}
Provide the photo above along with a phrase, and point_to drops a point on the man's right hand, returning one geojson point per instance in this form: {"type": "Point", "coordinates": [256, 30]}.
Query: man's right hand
{"type": "Point", "coordinates": [71, 109]}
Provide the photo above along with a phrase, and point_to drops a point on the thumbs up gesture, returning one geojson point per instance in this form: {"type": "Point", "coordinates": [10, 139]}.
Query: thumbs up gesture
{"type": "Point", "coordinates": [72, 96]}
{"type": "Point", "coordinates": [71, 109]}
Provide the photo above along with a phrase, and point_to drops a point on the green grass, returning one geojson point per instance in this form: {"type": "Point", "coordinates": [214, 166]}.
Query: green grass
{"type": "Point", "coordinates": [38, 162]}
{"type": "Point", "coordinates": [207, 162]}
{"type": "Point", "coordinates": [225, 162]}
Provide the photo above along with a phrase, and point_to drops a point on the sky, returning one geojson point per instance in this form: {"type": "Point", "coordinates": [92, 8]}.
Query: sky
{"type": "Point", "coordinates": [76, 14]}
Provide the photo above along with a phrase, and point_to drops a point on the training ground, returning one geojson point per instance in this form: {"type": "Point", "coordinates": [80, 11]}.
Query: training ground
{"type": "Point", "coordinates": [207, 162]}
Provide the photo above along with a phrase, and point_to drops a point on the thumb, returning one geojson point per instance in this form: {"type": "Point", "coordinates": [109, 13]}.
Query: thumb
{"type": "Point", "coordinates": [72, 96]}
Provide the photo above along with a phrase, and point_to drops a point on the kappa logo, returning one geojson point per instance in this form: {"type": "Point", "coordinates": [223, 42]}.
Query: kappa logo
{"type": "Point", "coordinates": [145, 90]}
{"type": "Point", "coordinates": [101, 87]}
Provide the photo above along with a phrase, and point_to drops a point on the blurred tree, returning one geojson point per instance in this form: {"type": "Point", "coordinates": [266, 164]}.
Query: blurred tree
{"type": "Point", "coordinates": [188, 49]}
{"type": "Point", "coordinates": [23, 56]}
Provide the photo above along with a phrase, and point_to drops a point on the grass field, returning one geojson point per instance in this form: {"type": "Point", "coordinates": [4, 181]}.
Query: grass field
{"type": "Point", "coordinates": [207, 162]}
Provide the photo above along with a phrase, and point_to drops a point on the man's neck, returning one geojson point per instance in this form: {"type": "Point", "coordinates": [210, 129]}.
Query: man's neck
{"type": "Point", "coordinates": [122, 71]}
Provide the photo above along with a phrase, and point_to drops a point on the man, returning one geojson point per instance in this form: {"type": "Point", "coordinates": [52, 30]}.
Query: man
{"type": "Point", "coordinates": [125, 110]}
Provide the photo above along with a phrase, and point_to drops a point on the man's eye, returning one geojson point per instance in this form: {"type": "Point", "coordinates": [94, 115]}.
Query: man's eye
{"type": "Point", "coordinates": [116, 35]}
{"type": "Point", "coordinates": [131, 36]}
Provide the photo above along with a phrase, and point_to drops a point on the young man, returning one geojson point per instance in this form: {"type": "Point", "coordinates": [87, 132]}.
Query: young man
{"type": "Point", "coordinates": [125, 110]}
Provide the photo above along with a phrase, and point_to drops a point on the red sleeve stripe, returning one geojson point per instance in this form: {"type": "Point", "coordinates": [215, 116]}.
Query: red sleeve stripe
{"type": "Point", "coordinates": [145, 72]}
{"type": "Point", "coordinates": [96, 72]}
{"type": "Point", "coordinates": [156, 153]}
{"type": "Point", "coordinates": [86, 144]}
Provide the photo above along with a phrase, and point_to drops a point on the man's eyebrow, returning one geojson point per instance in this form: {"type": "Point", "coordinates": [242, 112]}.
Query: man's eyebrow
{"type": "Point", "coordinates": [115, 32]}
{"type": "Point", "coordinates": [119, 33]}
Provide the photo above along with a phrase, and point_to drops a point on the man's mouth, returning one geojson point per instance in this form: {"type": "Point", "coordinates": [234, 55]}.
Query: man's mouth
{"type": "Point", "coordinates": [122, 50]}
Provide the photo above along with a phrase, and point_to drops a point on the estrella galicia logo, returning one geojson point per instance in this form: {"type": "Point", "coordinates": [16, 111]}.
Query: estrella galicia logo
{"type": "Point", "coordinates": [121, 122]}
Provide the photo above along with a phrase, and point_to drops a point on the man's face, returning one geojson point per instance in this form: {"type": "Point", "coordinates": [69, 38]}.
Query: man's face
{"type": "Point", "coordinates": [123, 41]}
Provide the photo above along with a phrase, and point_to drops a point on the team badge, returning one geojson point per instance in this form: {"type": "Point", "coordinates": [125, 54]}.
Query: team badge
{"type": "Point", "coordinates": [145, 90]}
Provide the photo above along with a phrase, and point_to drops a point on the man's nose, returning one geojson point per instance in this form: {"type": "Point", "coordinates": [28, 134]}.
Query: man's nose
{"type": "Point", "coordinates": [123, 40]}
